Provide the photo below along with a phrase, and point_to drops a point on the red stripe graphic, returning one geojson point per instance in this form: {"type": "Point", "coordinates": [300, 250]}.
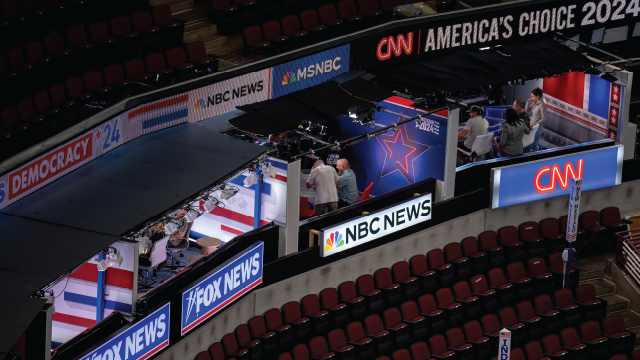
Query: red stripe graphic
{"type": "Point", "coordinates": [155, 350]}
{"type": "Point", "coordinates": [229, 214]}
{"type": "Point", "coordinates": [281, 178]}
{"type": "Point", "coordinates": [73, 320]}
{"type": "Point", "coordinates": [407, 103]}
{"type": "Point", "coordinates": [230, 230]}
{"type": "Point", "coordinates": [158, 105]}
{"type": "Point", "coordinates": [115, 277]}
{"type": "Point", "coordinates": [575, 118]}
{"type": "Point", "coordinates": [219, 307]}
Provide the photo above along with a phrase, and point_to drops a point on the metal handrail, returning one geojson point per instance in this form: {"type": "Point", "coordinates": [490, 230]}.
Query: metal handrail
{"type": "Point", "coordinates": [628, 252]}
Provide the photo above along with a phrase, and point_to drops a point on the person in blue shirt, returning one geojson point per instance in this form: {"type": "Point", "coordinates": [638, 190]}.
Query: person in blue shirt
{"type": "Point", "coordinates": [348, 188]}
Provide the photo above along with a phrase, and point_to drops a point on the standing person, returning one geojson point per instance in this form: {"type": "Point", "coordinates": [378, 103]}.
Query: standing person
{"type": "Point", "coordinates": [348, 188]}
{"type": "Point", "coordinates": [518, 106]}
{"type": "Point", "coordinates": [510, 142]}
{"type": "Point", "coordinates": [538, 113]}
{"type": "Point", "coordinates": [476, 125]}
{"type": "Point", "coordinates": [325, 180]}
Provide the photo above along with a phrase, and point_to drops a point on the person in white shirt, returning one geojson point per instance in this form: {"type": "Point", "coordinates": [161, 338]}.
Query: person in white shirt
{"type": "Point", "coordinates": [537, 110]}
{"type": "Point", "coordinates": [476, 125]}
{"type": "Point", "coordinates": [325, 180]}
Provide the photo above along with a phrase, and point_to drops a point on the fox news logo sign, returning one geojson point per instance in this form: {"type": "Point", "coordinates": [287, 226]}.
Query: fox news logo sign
{"type": "Point", "coordinates": [376, 225]}
{"type": "Point", "coordinates": [222, 286]}
{"type": "Point", "coordinates": [137, 341]}
{"type": "Point", "coordinates": [310, 71]}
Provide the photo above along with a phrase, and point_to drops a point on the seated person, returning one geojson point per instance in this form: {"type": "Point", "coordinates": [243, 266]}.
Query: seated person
{"type": "Point", "coordinates": [476, 125]}
{"type": "Point", "coordinates": [155, 234]}
{"type": "Point", "coordinates": [509, 143]}
{"type": "Point", "coordinates": [348, 188]}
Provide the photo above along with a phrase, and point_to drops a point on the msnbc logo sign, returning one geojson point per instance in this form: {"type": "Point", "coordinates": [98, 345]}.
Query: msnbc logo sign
{"type": "Point", "coordinates": [376, 225]}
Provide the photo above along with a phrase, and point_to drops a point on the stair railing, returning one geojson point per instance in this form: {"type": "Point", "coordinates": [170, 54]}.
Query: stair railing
{"type": "Point", "coordinates": [628, 252]}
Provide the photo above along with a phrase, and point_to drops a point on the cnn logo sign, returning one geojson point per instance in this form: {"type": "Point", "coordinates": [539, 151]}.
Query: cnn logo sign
{"type": "Point", "coordinates": [556, 176]}
{"type": "Point", "coordinates": [390, 45]}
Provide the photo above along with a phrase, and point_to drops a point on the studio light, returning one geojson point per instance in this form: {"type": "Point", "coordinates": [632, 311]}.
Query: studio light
{"type": "Point", "coordinates": [250, 180]}
{"type": "Point", "coordinates": [191, 215]}
{"type": "Point", "coordinates": [227, 193]}
{"type": "Point", "coordinates": [210, 204]}
{"type": "Point", "coordinates": [113, 255]}
{"type": "Point", "coordinates": [171, 227]}
{"type": "Point", "coordinates": [592, 71]}
{"type": "Point", "coordinates": [267, 168]}
{"type": "Point", "coordinates": [353, 111]}
{"type": "Point", "coordinates": [313, 127]}
{"type": "Point", "coordinates": [363, 115]}
{"type": "Point", "coordinates": [610, 78]}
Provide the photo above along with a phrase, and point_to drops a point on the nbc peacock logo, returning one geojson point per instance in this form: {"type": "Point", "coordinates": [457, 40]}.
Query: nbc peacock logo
{"type": "Point", "coordinates": [199, 104]}
{"type": "Point", "coordinates": [334, 241]}
{"type": "Point", "coordinates": [289, 78]}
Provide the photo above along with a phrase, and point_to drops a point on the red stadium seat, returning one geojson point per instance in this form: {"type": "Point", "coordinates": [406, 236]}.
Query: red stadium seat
{"type": "Point", "coordinates": [142, 22]}
{"type": "Point", "coordinates": [77, 38]}
{"type": "Point", "coordinates": [429, 309]}
{"type": "Point", "coordinates": [10, 122]}
{"type": "Point", "coordinates": [300, 352]}
{"type": "Point", "coordinates": [461, 263]}
{"type": "Point", "coordinates": [338, 345]}
{"type": "Point", "coordinates": [231, 348]}
{"type": "Point", "coordinates": [439, 348]}
{"type": "Point", "coordinates": [612, 221]}
{"type": "Point", "coordinates": [55, 45]}
{"type": "Point", "coordinates": [388, 5]}
{"type": "Point", "coordinates": [563, 302]}
{"type": "Point", "coordinates": [203, 355]}
{"type": "Point", "coordinates": [99, 33]}
{"type": "Point", "coordinates": [347, 10]}
{"type": "Point", "coordinates": [292, 315]}
{"type": "Point", "coordinates": [393, 323]}
{"type": "Point", "coordinates": [309, 22]}
{"type": "Point", "coordinates": [134, 70]}
{"type": "Point", "coordinates": [319, 318]}
{"type": "Point", "coordinates": [506, 291]}
{"type": "Point", "coordinates": [196, 54]}
{"type": "Point", "coordinates": [552, 348]}
{"type": "Point", "coordinates": [533, 323]}
{"type": "Point", "coordinates": [552, 318]}
{"type": "Point", "coordinates": [411, 316]}
{"type": "Point", "coordinates": [34, 52]}
{"type": "Point", "coordinates": [271, 32]}
{"type": "Point", "coordinates": [420, 351]}
{"type": "Point", "coordinates": [510, 239]}
{"type": "Point", "coordinates": [357, 338]}
{"type": "Point", "coordinates": [591, 307]}
{"type": "Point", "coordinates": [284, 332]}
{"type": "Point", "coordinates": [509, 320]}
{"type": "Point", "coordinates": [489, 243]}
{"type": "Point", "coordinates": [402, 354]}
{"type": "Point", "coordinates": [59, 98]}
{"type": "Point", "coordinates": [481, 344]}
{"type": "Point", "coordinates": [391, 291]}
{"type": "Point", "coordinates": [530, 236]}
{"type": "Point", "coordinates": [17, 60]}
{"type": "Point", "coordinates": [534, 351]}
{"type": "Point", "coordinates": [470, 303]}
{"type": "Point", "coordinates": [542, 280]}
{"type": "Point", "coordinates": [155, 64]}
{"type": "Point", "coordinates": [557, 269]}
{"type": "Point", "coordinates": [444, 269]}
{"type": "Point", "coordinates": [480, 259]}
{"type": "Point", "coordinates": [42, 104]}
{"type": "Point", "coordinates": [114, 75]}
{"type": "Point", "coordinates": [338, 311]}
{"type": "Point", "coordinates": [93, 82]}
{"type": "Point", "coordinates": [591, 222]}
{"type": "Point", "coordinates": [420, 269]}
{"type": "Point", "coordinates": [27, 114]}
{"type": "Point", "coordinates": [162, 17]}
{"type": "Point", "coordinates": [571, 343]}
{"type": "Point", "coordinates": [318, 349]}
{"type": "Point", "coordinates": [258, 330]}
{"type": "Point", "coordinates": [243, 335]}
{"type": "Point", "coordinates": [121, 27]}
{"type": "Point", "coordinates": [367, 289]}
{"type": "Point", "coordinates": [622, 340]}
{"type": "Point", "coordinates": [491, 327]}
{"type": "Point", "coordinates": [177, 60]}
{"type": "Point", "coordinates": [255, 46]}
{"type": "Point", "coordinates": [410, 284]}
{"type": "Point", "coordinates": [328, 16]}
{"type": "Point", "coordinates": [291, 28]}
{"type": "Point", "coordinates": [446, 303]}
{"type": "Point", "coordinates": [489, 297]}
{"type": "Point", "coordinates": [456, 342]}
{"type": "Point", "coordinates": [381, 337]}
{"type": "Point", "coordinates": [518, 276]}
{"type": "Point", "coordinates": [4, 69]}
{"type": "Point", "coordinates": [597, 345]}
{"type": "Point", "coordinates": [356, 304]}
{"type": "Point", "coordinates": [550, 230]}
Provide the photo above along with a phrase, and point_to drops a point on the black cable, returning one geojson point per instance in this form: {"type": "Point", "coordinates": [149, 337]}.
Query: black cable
{"type": "Point", "coordinates": [65, 286]}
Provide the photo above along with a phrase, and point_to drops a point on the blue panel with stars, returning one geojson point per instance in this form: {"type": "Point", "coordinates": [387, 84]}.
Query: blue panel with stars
{"type": "Point", "coordinates": [395, 159]}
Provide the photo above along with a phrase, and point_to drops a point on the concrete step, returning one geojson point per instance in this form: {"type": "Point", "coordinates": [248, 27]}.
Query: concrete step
{"type": "Point", "coordinates": [616, 303]}
{"type": "Point", "coordinates": [590, 275]}
{"type": "Point", "coordinates": [177, 6]}
{"type": "Point", "coordinates": [213, 41]}
{"type": "Point", "coordinates": [193, 16]}
{"type": "Point", "coordinates": [197, 32]}
{"type": "Point", "coordinates": [603, 286]}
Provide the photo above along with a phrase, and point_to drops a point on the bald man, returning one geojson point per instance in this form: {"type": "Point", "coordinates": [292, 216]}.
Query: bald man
{"type": "Point", "coordinates": [348, 188]}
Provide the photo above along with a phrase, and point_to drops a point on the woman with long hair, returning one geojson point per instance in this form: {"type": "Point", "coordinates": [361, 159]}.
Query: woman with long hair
{"type": "Point", "coordinates": [537, 110]}
{"type": "Point", "coordinates": [510, 141]}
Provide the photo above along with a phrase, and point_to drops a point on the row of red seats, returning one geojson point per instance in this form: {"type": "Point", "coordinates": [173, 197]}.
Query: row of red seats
{"type": "Point", "coordinates": [43, 104]}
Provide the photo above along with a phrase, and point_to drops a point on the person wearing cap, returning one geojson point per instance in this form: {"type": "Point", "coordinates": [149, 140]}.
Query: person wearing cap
{"type": "Point", "coordinates": [476, 126]}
